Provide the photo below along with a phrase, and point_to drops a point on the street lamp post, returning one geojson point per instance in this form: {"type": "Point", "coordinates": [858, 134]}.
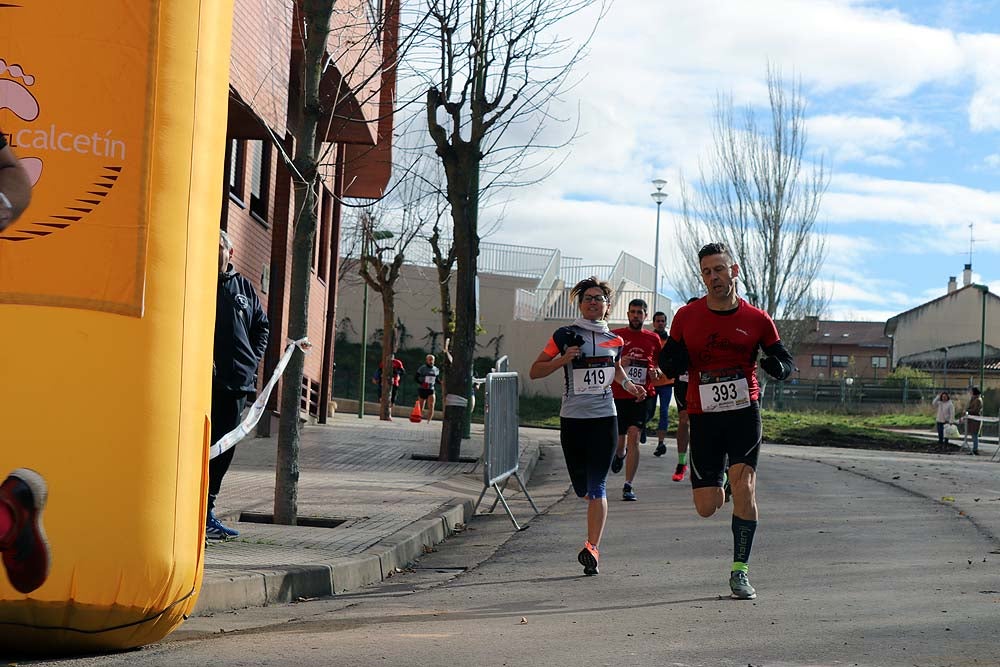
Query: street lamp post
{"type": "Point", "coordinates": [945, 381]}
{"type": "Point", "coordinates": [659, 196]}
{"type": "Point", "coordinates": [982, 339]}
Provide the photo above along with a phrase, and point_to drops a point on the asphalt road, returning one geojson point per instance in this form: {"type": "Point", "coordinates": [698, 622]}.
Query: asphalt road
{"type": "Point", "coordinates": [849, 571]}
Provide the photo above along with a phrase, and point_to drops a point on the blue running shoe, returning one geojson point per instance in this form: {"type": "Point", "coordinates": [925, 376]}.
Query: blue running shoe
{"type": "Point", "coordinates": [215, 530]}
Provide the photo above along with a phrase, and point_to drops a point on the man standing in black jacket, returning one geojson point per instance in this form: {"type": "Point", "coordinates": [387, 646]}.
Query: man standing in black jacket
{"type": "Point", "coordinates": [241, 331]}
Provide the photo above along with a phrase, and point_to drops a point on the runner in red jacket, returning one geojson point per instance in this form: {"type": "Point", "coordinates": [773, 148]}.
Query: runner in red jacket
{"type": "Point", "coordinates": [639, 360]}
{"type": "Point", "coordinates": [717, 340]}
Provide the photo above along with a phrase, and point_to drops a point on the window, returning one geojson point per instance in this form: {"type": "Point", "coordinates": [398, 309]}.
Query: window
{"type": "Point", "coordinates": [260, 177]}
{"type": "Point", "coordinates": [819, 361]}
{"type": "Point", "coordinates": [840, 361]}
{"type": "Point", "coordinates": [880, 362]}
{"type": "Point", "coordinates": [237, 164]}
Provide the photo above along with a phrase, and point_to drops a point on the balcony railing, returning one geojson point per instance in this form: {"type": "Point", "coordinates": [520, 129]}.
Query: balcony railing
{"type": "Point", "coordinates": [557, 304]}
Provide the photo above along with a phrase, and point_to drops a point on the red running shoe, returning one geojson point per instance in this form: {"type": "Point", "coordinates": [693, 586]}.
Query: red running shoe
{"type": "Point", "coordinates": [588, 557]}
{"type": "Point", "coordinates": [25, 548]}
{"type": "Point", "coordinates": [679, 472]}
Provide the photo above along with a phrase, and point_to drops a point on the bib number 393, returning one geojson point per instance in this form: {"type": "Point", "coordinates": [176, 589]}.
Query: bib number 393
{"type": "Point", "coordinates": [592, 375]}
{"type": "Point", "coordinates": [721, 391]}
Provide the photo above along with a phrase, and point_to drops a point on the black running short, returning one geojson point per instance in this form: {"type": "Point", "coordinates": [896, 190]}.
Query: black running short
{"type": "Point", "coordinates": [680, 394]}
{"type": "Point", "coordinates": [630, 413]}
{"type": "Point", "coordinates": [424, 393]}
{"type": "Point", "coordinates": [588, 446]}
{"type": "Point", "coordinates": [716, 435]}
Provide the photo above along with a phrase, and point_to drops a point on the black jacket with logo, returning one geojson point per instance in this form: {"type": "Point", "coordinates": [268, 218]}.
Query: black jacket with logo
{"type": "Point", "coordinates": [241, 331]}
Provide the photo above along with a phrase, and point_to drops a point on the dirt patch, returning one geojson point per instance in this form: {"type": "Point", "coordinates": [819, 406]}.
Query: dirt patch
{"type": "Point", "coordinates": [853, 438]}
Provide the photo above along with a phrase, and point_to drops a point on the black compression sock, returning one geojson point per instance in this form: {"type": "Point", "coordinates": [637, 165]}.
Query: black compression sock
{"type": "Point", "coordinates": [743, 531]}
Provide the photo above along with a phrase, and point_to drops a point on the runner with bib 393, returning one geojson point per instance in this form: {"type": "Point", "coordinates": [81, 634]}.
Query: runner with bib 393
{"type": "Point", "coordinates": [717, 340]}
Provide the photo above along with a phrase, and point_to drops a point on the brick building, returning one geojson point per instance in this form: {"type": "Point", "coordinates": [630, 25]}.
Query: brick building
{"type": "Point", "coordinates": [834, 349]}
{"type": "Point", "coordinates": [358, 88]}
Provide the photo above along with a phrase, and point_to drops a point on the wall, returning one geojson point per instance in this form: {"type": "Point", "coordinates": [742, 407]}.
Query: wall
{"type": "Point", "coordinates": [258, 70]}
{"type": "Point", "coordinates": [860, 362]}
{"type": "Point", "coordinates": [954, 319]}
{"type": "Point", "coordinates": [418, 303]}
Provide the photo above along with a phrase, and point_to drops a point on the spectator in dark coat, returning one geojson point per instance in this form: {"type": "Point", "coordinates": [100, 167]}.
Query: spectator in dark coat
{"type": "Point", "coordinates": [241, 332]}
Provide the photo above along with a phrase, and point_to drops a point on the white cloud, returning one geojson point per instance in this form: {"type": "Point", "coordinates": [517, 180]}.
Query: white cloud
{"type": "Point", "coordinates": [867, 139]}
{"type": "Point", "coordinates": [983, 54]}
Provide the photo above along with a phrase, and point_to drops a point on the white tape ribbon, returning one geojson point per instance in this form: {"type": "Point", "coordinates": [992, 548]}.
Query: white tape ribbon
{"type": "Point", "coordinates": [980, 418]}
{"type": "Point", "coordinates": [229, 440]}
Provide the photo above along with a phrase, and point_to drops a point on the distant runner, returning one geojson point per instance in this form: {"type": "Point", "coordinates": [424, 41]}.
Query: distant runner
{"type": "Point", "coordinates": [683, 423]}
{"type": "Point", "coordinates": [640, 356]}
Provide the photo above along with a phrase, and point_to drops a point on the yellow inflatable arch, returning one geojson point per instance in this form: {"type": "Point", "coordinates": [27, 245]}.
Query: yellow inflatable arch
{"type": "Point", "coordinates": [107, 300]}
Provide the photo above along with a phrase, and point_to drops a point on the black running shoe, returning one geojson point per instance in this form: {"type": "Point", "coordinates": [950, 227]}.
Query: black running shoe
{"type": "Point", "coordinates": [617, 463]}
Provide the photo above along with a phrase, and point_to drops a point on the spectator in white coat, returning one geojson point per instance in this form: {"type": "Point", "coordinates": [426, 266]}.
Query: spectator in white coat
{"type": "Point", "coordinates": [945, 414]}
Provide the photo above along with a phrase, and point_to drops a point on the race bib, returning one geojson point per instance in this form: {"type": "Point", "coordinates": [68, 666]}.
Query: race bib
{"type": "Point", "coordinates": [637, 374]}
{"type": "Point", "coordinates": [723, 390]}
{"type": "Point", "coordinates": [429, 381]}
{"type": "Point", "coordinates": [593, 375]}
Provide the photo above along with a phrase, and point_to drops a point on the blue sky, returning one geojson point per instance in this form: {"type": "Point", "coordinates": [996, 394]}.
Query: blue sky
{"type": "Point", "coordinates": [903, 103]}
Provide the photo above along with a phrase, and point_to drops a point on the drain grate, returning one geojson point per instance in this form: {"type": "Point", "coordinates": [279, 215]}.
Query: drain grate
{"type": "Point", "coordinates": [432, 457]}
{"type": "Point", "coordinates": [306, 521]}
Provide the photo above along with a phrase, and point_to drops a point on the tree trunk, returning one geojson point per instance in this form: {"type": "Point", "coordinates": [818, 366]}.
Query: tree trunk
{"type": "Point", "coordinates": [464, 199]}
{"type": "Point", "coordinates": [388, 349]}
{"type": "Point", "coordinates": [304, 117]}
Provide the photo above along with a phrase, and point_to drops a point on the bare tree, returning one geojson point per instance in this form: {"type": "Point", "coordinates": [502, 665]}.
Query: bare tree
{"type": "Point", "coordinates": [307, 109]}
{"type": "Point", "coordinates": [760, 195]}
{"type": "Point", "coordinates": [491, 67]}
{"type": "Point", "coordinates": [391, 225]}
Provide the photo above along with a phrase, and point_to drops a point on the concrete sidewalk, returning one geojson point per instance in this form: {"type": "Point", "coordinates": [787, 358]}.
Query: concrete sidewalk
{"type": "Point", "coordinates": [359, 474]}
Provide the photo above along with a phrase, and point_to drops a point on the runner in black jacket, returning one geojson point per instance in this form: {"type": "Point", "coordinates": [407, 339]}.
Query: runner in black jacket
{"type": "Point", "coordinates": [241, 331]}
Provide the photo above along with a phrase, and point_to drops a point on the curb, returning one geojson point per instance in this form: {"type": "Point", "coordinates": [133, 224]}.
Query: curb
{"type": "Point", "coordinates": [283, 584]}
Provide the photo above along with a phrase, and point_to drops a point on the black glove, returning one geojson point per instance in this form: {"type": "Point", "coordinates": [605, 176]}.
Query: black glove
{"type": "Point", "coordinates": [773, 367]}
{"type": "Point", "coordinates": [566, 337]}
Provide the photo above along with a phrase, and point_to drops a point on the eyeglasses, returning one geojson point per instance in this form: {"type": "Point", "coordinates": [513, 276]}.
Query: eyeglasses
{"type": "Point", "coordinates": [599, 298]}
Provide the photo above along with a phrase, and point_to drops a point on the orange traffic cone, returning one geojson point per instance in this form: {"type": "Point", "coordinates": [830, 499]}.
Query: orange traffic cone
{"type": "Point", "coordinates": [417, 414]}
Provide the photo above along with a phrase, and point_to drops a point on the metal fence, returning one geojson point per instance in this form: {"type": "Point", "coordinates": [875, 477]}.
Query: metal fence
{"type": "Point", "coordinates": [501, 450]}
{"type": "Point", "coordinates": [849, 394]}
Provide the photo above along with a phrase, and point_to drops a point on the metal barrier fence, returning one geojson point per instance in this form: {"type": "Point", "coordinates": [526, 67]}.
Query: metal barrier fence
{"type": "Point", "coordinates": [987, 426]}
{"type": "Point", "coordinates": [501, 449]}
